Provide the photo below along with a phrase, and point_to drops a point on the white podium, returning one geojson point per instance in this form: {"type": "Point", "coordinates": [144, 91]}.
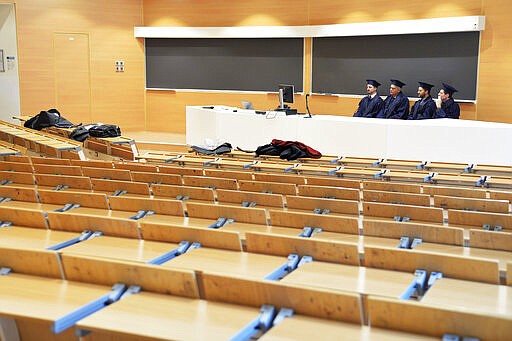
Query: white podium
{"type": "Point", "coordinates": [442, 140]}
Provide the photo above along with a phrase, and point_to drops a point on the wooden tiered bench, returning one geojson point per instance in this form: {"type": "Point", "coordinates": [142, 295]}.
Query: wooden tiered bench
{"type": "Point", "coordinates": [41, 142]}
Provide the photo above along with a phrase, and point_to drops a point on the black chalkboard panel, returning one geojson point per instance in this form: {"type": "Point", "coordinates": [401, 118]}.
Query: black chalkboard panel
{"type": "Point", "coordinates": [249, 64]}
{"type": "Point", "coordinates": [342, 64]}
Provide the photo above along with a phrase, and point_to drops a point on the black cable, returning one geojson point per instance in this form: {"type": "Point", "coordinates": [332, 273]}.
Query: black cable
{"type": "Point", "coordinates": [307, 106]}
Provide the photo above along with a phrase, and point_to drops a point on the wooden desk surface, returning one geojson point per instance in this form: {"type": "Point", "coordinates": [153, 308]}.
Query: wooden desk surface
{"type": "Point", "coordinates": [480, 297]}
{"type": "Point", "coordinates": [351, 278]}
{"type": "Point", "coordinates": [121, 248]}
{"type": "Point", "coordinates": [170, 318]}
{"type": "Point", "coordinates": [180, 221]}
{"type": "Point", "coordinates": [31, 205]}
{"type": "Point", "coordinates": [502, 256]}
{"type": "Point", "coordinates": [242, 229]}
{"type": "Point", "coordinates": [227, 262]}
{"type": "Point", "coordinates": [204, 223]}
{"type": "Point", "coordinates": [42, 298]}
{"type": "Point", "coordinates": [305, 328]}
{"type": "Point", "coordinates": [100, 212]}
{"type": "Point", "coordinates": [33, 238]}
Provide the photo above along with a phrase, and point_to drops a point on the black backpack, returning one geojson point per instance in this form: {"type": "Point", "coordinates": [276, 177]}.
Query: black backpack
{"type": "Point", "coordinates": [105, 130]}
{"type": "Point", "coordinates": [268, 149]}
{"type": "Point", "coordinates": [48, 118]}
{"type": "Point", "coordinates": [222, 149]}
{"type": "Point", "coordinates": [79, 134]}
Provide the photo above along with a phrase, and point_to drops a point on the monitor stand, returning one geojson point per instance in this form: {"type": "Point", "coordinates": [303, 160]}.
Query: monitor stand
{"type": "Point", "coordinates": [288, 110]}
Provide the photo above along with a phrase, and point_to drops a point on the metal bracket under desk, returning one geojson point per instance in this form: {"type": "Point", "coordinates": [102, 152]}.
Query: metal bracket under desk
{"type": "Point", "coordinates": [86, 235]}
{"type": "Point", "coordinates": [119, 291]}
{"type": "Point", "coordinates": [293, 262]}
{"type": "Point", "coordinates": [263, 323]}
{"type": "Point", "coordinates": [420, 284]}
{"type": "Point", "coordinates": [183, 247]}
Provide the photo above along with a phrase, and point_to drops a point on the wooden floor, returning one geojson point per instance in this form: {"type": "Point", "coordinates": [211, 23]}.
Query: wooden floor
{"type": "Point", "coordinates": [152, 136]}
{"type": "Point", "coordinates": [158, 141]}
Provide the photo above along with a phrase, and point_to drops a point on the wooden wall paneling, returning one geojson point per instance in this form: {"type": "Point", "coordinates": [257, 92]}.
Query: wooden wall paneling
{"type": "Point", "coordinates": [225, 13]}
{"type": "Point", "coordinates": [495, 61]}
{"type": "Point", "coordinates": [115, 97]}
{"type": "Point", "coordinates": [322, 12]}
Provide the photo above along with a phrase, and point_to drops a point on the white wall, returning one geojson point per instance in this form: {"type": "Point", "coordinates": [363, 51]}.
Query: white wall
{"type": "Point", "coordinates": [9, 80]}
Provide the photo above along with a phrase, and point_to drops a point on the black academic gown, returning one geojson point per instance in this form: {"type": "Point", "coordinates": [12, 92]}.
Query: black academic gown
{"type": "Point", "coordinates": [449, 109]}
{"type": "Point", "coordinates": [423, 109]}
{"type": "Point", "coordinates": [395, 107]}
{"type": "Point", "coordinates": [369, 107]}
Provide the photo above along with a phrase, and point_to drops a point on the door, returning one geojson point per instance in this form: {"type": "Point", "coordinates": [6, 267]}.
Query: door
{"type": "Point", "coordinates": [72, 76]}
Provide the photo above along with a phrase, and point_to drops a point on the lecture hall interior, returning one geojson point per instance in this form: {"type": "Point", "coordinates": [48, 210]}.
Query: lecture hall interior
{"type": "Point", "coordinates": [400, 230]}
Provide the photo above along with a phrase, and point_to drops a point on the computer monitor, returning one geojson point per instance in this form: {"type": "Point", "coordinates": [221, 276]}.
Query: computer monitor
{"type": "Point", "coordinates": [285, 95]}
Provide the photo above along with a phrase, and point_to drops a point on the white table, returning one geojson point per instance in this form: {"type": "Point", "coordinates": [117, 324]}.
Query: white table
{"type": "Point", "coordinates": [443, 140]}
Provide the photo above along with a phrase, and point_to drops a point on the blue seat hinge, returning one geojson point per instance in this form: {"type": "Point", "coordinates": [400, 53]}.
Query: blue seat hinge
{"type": "Point", "coordinates": [295, 165]}
{"type": "Point", "coordinates": [183, 247]}
{"type": "Point", "coordinates": [249, 165]}
{"type": "Point", "coordinates": [5, 223]}
{"type": "Point", "coordinates": [430, 178]}
{"type": "Point", "coordinates": [380, 175]}
{"type": "Point", "coordinates": [70, 319]}
{"type": "Point", "coordinates": [422, 165]}
{"type": "Point", "coordinates": [263, 323]}
{"type": "Point", "coordinates": [173, 158]}
{"type": "Point", "coordinates": [290, 265]}
{"type": "Point", "coordinates": [402, 219]}
{"type": "Point", "coordinates": [141, 214]}
{"type": "Point", "coordinates": [420, 285]}
{"type": "Point", "coordinates": [378, 162]}
{"type": "Point", "coordinates": [487, 227]}
{"type": "Point", "coordinates": [333, 171]}
{"type": "Point", "coordinates": [337, 159]}
{"type": "Point", "coordinates": [67, 207]}
{"type": "Point", "coordinates": [417, 285]}
{"type": "Point", "coordinates": [5, 271]}
{"type": "Point", "coordinates": [483, 181]}
{"type": "Point", "coordinates": [257, 327]}
{"type": "Point", "coordinates": [434, 276]}
{"type": "Point", "coordinates": [454, 337]}
{"type": "Point", "coordinates": [406, 243]}
{"type": "Point", "coordinates": [207, 163]}
{"type": "Point", "coordinates": [86, 235]}
{"type": "Point", "coordinates": [119, 192]}
{"type": "Point", "coordinates": [60, 187]}
{"type": "Point", "coordinates": [308, 231]}
{"type": "Point", "coordinates": [221, 222]}
{"type": "Point", "coordinates": [469, 168]}
{"type": "Point", "coordinates": [249, 203]}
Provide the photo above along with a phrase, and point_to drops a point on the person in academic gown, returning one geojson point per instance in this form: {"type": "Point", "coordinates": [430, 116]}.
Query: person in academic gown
{"type": "Point", "coordinates": [425, 108]}
{"type": "Point", "coordinates": [370, 105]}
{"type": "Point", "coordinates": [396, 105]}
{"type": "Point", "coordinates": [446, 105]}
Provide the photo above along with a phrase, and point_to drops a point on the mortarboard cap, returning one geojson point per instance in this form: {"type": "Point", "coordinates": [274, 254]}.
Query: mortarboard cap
{"type": "Point", "coordinates": [373, 82]}
{"type": "Point", "coordinates": [449, 89]}
{"type": "Point", "coordinates": [397, 83]}
{"type": "Point", "coordinates": [426, 86]}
